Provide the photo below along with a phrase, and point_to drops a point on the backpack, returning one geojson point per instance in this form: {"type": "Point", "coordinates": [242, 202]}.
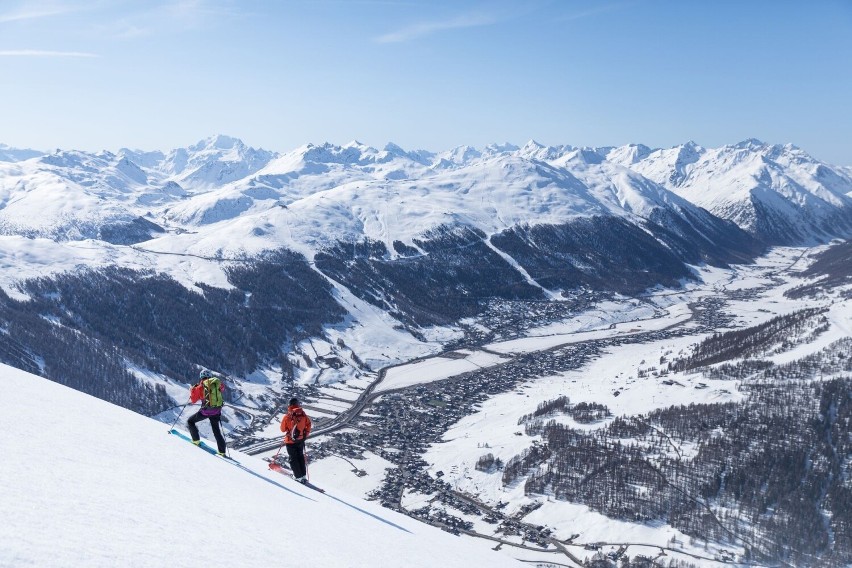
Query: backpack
{"type": "Point", "coordinates": [212, 392]}
{"type": "Point", "coordinates": [300, 420]}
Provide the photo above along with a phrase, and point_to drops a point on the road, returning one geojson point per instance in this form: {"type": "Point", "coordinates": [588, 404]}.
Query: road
{"type": "Point", "coordinates": [345, 418]}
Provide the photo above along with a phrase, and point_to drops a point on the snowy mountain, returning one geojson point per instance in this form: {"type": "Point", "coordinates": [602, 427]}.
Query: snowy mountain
{"type": "Point", "coordinates": [118, 490]}
{"type": "Point", "coordinates": [209, 163]}
{"type": "Point", "coordinates": [352, 193]}
{"type": "Point", "coordinates": [9, 154]}
{"type": "Point", "coordinates": [326, 270]}
{"type": "Point", "coordinates": [779, 194]}
{"type": "Point", "coordinates": [776, 193]}
{"type": "Point", "coordinates": [72, 195]}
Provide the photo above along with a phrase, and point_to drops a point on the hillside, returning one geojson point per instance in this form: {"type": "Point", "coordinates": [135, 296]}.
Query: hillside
{"type": "Point", "coordinates": [778, 193]}
{"type": "Point", "coordinates": [89, 484]}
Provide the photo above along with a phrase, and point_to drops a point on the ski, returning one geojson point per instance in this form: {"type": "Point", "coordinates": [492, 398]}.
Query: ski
{"type": "Point", "coordinates": [202, 445]}
{"type": "Point", "coordinates": [274, 466]}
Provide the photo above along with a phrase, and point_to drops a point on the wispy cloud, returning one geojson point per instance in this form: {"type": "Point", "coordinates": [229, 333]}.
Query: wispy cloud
{"type": "Point", "coordinates": [43, 53]}
{"type": "Point", "coordinates": [34, 13]}
{"type": "Point", "coordinates": [600, 9]}
{"type": "Point", "coordinates": [173, 15]}
{"type": "Point", "coordinates": [190, 10]}
{"type": "Point", "coordinates": [424, 29]}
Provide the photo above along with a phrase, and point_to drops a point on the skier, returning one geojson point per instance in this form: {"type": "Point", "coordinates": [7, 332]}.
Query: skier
{"type": "Point", "coordinates": [296, 426]}
{"type": "Point", "coordinates": [209, 391]}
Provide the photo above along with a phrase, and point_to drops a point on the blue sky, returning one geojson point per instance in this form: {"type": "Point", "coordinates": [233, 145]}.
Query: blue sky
{"type": "Point", "coordinates": [158, 74]}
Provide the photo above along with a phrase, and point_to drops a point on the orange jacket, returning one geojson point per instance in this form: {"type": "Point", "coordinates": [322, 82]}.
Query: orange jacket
{"type": "Point", "coordinates": [296, 425]}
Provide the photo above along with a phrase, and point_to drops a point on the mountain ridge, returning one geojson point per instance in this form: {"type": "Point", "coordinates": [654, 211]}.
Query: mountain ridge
{"type": "Point", "coordinates": [754, 184]}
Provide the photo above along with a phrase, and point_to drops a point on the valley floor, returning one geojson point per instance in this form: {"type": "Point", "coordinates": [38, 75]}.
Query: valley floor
{"type": "Point", "coordinates": [379, 436]}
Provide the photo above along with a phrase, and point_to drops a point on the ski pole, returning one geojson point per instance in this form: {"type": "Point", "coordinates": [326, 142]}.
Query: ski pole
{"type": "Point", "coordinates": [178, 416]}
{"type": "Point", "coordinates": [275, 457]}
{"type": "Point", "coordinates": [162, 411]}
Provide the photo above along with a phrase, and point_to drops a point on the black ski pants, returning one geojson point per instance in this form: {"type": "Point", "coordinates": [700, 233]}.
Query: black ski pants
{"type": "Point", "coordinates": [214, 425]}
{"type": "Point", "coordinates": [296, 453]}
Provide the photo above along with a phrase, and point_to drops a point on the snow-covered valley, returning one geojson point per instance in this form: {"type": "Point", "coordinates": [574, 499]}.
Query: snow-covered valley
{"type": "Point", "coordinates": [628, 377]}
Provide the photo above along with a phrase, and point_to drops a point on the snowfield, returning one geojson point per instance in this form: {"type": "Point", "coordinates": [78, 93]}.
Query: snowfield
{"type": "Point", "coordinates": [89, 484]}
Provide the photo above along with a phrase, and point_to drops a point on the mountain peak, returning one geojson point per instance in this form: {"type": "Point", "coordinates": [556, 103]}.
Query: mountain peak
{"type": "Point", "coordinates": [625, 155]}
{"type": "Point", "coordinates": [394, 148]}
{"type": "Point", "coordinates": [532, 145]}
{"type": "Point", "coordinates": [688, 153]}
{"type": "Point", "coordinates": [584, 155]}
{"type": "Point", "coordinates": [461, 154]}
{"type": "Point", "coordinates": [355, 144]}
{"type": "Point", "coordinates": [495, 148]}
{"type": "Point", "coordinates": [218, 142]}
{"type": "Point", "coordinates": [750, 144]}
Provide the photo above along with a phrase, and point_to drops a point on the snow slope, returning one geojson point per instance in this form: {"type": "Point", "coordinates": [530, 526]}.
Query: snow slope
{"type": "Point", "coordinates": [220, 197]}
{"type": "Point", "coordinates": [9, 154]}
{"type": "Point", "coordinates": [211, 162]}
{"type": "Point", "coordinates": [68, 195]}
{"type": "Point", "coordinates": [310, 200]}
{"type": "Point", "coordinates": [89, 484]}
{"type": "Point", "coordinates": [778, 192]}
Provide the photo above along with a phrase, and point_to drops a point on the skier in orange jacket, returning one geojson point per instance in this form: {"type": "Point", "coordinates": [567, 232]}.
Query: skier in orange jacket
{"type": "Point", "coordinates": [296, 426]}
